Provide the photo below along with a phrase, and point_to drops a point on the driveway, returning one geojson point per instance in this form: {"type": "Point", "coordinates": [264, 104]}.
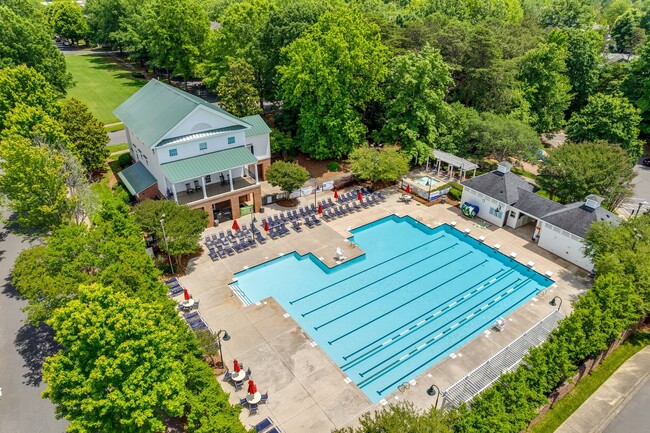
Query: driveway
{"type": "Point", "coordinates": [117, 137]}
{"type": "Point", "coordinates": [641, 190]}
{"type": "Point", "coordinates": [22, 350]}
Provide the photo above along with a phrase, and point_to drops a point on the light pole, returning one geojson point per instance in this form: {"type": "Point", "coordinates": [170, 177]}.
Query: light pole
{"type": "Point", "coordinates": [225, 337]}
{"type": "Point", "coordinates": [432, 391]}
{"type": "Point", "coordinates": [162, 225]}
{"type": "Point", "coordinates": [253, 221]}
{"type": "Point", "coordinates": [554, 303]}
{"type": "Point", "coordinates": [637, 236]}
{"type": "Point", "coordinates": [315, 191]}
{"type": "Point", "coordinates": [638, 209]}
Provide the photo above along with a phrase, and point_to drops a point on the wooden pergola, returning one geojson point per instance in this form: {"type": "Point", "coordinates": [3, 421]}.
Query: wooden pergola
{"type": "Point", "coordinates": [452, 162]}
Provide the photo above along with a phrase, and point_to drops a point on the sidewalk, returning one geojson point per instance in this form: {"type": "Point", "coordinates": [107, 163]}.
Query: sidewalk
{"type": "Point", "coordinates": [600, 409]}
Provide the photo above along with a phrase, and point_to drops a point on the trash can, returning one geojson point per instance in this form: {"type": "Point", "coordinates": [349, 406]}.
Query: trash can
{"type": "Point", "coordinates": [443, 199]}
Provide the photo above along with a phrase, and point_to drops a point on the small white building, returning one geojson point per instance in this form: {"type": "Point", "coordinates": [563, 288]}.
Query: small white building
{"type": "Point", "coordinates": [504, 198]}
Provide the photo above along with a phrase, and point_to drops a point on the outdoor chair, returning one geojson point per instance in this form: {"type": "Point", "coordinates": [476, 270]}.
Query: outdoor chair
{"type": "Point", "coordinates": [196, 304]}
{"type": "Point", "coordinates": [308, 223]}
{"type": "Point", "coordinates": [221, 252]}
{"type": "Point", "coordinates": [249, 373]}
{"type": "Point", "coordinates": [315, 220]}
{"type": "Point", "coordinates": [198, 325]}
{"type": "Point", "coordinates": [274, 430]}
{"type": "Point", "coordinates": [252, 408]}
{"type": "Point", "coordinates": [364, 203]}
{"type": "Point", "coordinates": [265, 397]}
{"type": "Point", "coordinates": [207, 240]}
{"type": "Point", "coordinates": [272, 234]}
{"type": "Point", "coordinates": [239, 384]}
{"type": "Point", "coordinates": [172, 282]}
{"type": "Point", "coordinates": [229, 250]}
{"type": "Point", "coordinates": [227, 375]}
{"type": "Point", "coordinates": [251, 242]}
{"type": "Point", "coordinates": [188, 188]}
{"type": "Point", "coordinates": [313, 208]}
{"type": "Point", "coordinates": [295, 226]}
{"type": "Point", "coordinates": [197, 185]}
{"type": "Point", "coordinates": [237, 247]}
{"type": "Point", "coordinates": [243, 401]}
{"type": "Point", "coordinates": [222, 236]}
{"type": "Point", "coordinates": [330, 202]}
{"type": "Point", "coordinates": [260, 238]}
{"type": "Point", "coordinates": [175, 291]}
{"type": "Point", "coordinates": [191, 316]}
{"type": "Point", "coordinates": [381, 197]}
{"type": "Point", "coordinates": [213, 255]}
{"type": "Point", "coordinates": [263, 425]}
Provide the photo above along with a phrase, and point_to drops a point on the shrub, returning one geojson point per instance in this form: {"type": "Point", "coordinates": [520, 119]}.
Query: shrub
{"type": "Point", "coordinates": [333, 166]}
{"type": "Point", "coordinates": [124, 160]}
{"type": "Point", "coordinates": [456, 194]}
{"type": "Point", "coordinates": [136, 74]}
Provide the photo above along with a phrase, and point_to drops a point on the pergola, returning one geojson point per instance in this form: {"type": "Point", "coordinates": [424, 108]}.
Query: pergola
{"type": "Point", "coordinates": [453, 161]}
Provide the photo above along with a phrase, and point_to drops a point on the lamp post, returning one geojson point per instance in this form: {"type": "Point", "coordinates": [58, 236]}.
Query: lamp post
{"type": "Point", "coordinates": [554, 302]}
{"type": "Point", "coordinates": [162, 225]}
{"type": "Point", "coordinates": [253, 221]}
{"type": "Point", "coordinates": [637, 236]}
{"type": "Point", "coordinates": [434, 390]}
{"type": "Point", "coordinates": [225, 337]}
{"type": "Point", "coordinates": [638, 209]}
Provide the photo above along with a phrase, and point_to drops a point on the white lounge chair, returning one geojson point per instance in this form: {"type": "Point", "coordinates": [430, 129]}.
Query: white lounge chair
{"type": "Point", "coordinates": [339, 254]}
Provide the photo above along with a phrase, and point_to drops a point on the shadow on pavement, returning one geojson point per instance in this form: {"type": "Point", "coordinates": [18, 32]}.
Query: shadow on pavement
{"type": "Point", "coordinates": [34, 344]}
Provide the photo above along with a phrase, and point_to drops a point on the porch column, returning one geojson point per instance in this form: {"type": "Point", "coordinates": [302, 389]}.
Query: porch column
{"type": "Point", "coordinates": [438, 167]}
{"type": "Point", "coordinates": [174, 191]}
{"type": "Point", "coordinates": [205, 195]}
{"type": "Point", "coordinates": [232, 188]}
{"type": "Point", "coordinates": [474, 175]}
{"type": "Point", "coordinates": [257, 179]}
{"type": "Point", "coordinates": [451, 171]}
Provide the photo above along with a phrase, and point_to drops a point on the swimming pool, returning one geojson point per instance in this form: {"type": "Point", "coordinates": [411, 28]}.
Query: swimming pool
{"type": "Point", "coordinates": [417, 295]}
{"type": "Point", "coordinates": [427, 180]}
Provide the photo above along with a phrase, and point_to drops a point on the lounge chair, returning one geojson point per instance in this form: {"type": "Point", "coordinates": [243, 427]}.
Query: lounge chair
{"type": "Point", "coordinates": [312, 207]}
{"type": "Point", "coordinates": [191, 316]}
{"type": "Point", "coordinates": [309, 223]}
{"type": "Point", "coordinates": [381, 197]}
{"type": "Point", "coordinates": [172, 282]}
{"type": "Point", "coordinates": [198, 325]}
{"type": "Point", "coordinates": [283, 217]}
{"type": "Point", "coordinates": [272, 234]}
{"type": "Point", "coordinates": [221, 252]}
{"type": "Point", "coordinates": [213, 255]}
{"type": "Point", "coordinates": [274, 430]}
{"type": "Point", "coordinates": [315, 220]}
{"type": "Point", "coordinates": [260, 238]}
{"type": "Point", "coordinates": [229, 250]}
{"type": "Point", "coordinates": [263, 425]}
{"type": "Point", "coordinates": [207, 240]}
{"type": "Point", "coordinates": [330, 203]}
{"type": "Point", "coordinates": [295, 226]}
{"type": "Point", "coordinates": [282, 231]}
{"type": "Point", "coordinates": [236, 246]}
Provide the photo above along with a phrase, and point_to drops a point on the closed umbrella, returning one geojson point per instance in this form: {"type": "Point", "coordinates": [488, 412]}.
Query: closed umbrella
{"type": "Point", "coordinates": [186, 294]}
{"type": "Point", "coordinates": [359, 195]}
{"type": "Point", "coordinates": [235, 226]}
{"type": "Point", "coordinates": [408, 189]}
{"type": "Point", "coordinates": [236, 366]}
{"type": "Point", "coordinates": [266, 226]}
{"type": "Point", "coordinates": [336, 194]}
{"type": "Point", "coordinates": [252, 388]}
{"type": "Point", "coordinates": [320, 208]}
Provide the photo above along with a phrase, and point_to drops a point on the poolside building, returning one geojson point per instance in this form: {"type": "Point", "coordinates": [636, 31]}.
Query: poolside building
{"type": "Point", "coordinates": [193, 152]}
{"type": "Point", "coordinates": [505, 198]}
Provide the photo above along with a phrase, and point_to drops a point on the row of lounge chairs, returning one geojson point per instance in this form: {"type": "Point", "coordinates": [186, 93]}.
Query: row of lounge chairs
{"type": "Point", "coordinates": [174, 287]}
{"type": "Point", "coordinates": [338, 211]}
{"type": "Point", "coordinates": [227, 244]}
{"type": "Point", "coordinates": [195, 321]}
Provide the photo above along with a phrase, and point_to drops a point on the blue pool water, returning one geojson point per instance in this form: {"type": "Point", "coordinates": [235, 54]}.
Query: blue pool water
{"type": "Point", "coordinates": [417, 295]}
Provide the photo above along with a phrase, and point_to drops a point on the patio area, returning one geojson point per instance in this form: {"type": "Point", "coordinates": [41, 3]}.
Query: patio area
{"type": "Point", "coordinates": [214, 189]}
{"type": "Point", "coordinates": [307, 390]}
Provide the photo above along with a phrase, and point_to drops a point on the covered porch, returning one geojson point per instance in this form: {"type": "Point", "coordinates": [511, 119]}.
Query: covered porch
{"type": "Point", "coordinates": [214, 190]}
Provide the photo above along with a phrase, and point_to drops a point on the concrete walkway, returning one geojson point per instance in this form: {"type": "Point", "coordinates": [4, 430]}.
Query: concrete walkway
{"type": "Point", "coordinates": [601, 408]}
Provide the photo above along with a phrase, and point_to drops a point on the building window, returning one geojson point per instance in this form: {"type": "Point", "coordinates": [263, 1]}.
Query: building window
{"type": "Point", "coordinates": [208, 179]}
{"type": "Point", "coordinates": [203, 146]}
{"type": "Point", "coordinates": [251, 148]}
{"type": "Point", "coordinates": [173, 152]}
{"type": "Point", "coordinates": [231, 140]}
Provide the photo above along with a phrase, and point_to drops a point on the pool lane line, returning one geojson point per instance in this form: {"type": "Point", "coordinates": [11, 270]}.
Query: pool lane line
{"type": "Point", "coordinates": [437, 310]}
{"type": "Point", "coordinates": [340, 316]}
{"type": "Point", "coordinates": [416, 351]}
{"type": "Point", "coordinates": [365, 286]}
{"type": "Point", "coordinates": [451, 324]}
{"type": "Point", "coordinates": [366, 270]}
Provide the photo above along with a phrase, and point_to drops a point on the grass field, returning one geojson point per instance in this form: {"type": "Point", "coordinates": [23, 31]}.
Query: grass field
{"type": "Point", "coordinates": [587, 386]}
{"type": "Point", "coordinates": [101, 84]}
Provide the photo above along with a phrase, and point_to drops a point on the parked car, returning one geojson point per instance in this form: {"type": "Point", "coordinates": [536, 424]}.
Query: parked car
{"type": "Point", "coordinates": [646, 162]}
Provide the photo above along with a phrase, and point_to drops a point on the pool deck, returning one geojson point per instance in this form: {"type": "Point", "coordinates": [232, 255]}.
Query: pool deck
{"type": "Point", "coordinates": [307, 390]}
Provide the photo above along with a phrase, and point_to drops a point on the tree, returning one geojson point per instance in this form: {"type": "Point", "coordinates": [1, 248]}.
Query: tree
{"type": "Point", "coordinates": [568, 13]}
{"type": "Point", "coordinates": [66, 19]}
{"type": "Point", "coordinates": [575, 170]}
{"type": "Point", "coordinates": [460, 122]}
{"type": "Point", "coordinates": [103, 17]}
{"type": "Point", "coordinates": [627, 33]}
{"type": "Point", "coordinates": [32, 180]}
{"type": "Point", "coordinates": [387, 164]}
{"type": "Point", "coordinates": [415, 107]}
{"type": "Point", "coordinates": [87, 136]}
{"type": "Point", "coordinates": [33, 123]}
{"type": "Point", "coordinates": [281, 143]}
{"type": "Point", "coordinates": [289, 176]}
{"type": "Point", "coordinates": [183, 226]}
{"type": "Point", "coordinates": [25, 85]}
{"type": "Point", "coordinates": [237, 89]}
{"type": "Point", "coordinates": [332, 72]}
{"type": "Point", "coordinates": [25, 40]}
{"type": "Point", "coordinates": [121, 366]}
{"type": "Point", "coordinates": [545, 85]}
{"type": "Point", "coordinates": [394, 419]}
{"type": "Point", "coordinates": [610, 118]}
{"type": "Point", "coordinates": [503, 137]}
{"type": "Point", "coordinates": [636, 85]}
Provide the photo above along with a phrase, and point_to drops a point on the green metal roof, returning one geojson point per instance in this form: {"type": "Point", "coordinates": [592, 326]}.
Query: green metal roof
{"type": "Point", "coordinates": [195, 167]}
{"type": "Point", "coordinates": [136, 178]}
{"type": "Point", "coordinates": [200, 135]}
{"type": "Point", "coordinates": [258, 124]}
{"type": "Point", "coordinates": [157, 107]}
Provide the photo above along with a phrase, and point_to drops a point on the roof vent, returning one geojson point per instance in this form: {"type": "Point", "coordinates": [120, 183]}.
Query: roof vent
{"type": "Point", "coordinates": [504, 167]}
{"type": "Point", "coordinates": [593, 201]}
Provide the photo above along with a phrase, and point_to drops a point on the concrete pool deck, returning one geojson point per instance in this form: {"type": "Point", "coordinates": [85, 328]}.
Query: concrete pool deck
{"type": "Point", "coordinates": [307, 390]}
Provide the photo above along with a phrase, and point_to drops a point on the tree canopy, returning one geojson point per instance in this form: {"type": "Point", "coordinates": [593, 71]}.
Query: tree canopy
{"type": "Point", "coordinates": [66, 19]}
{"type": "Point", "coordinates": [87, 136]}
{"type": "Point", "coordinates": [385, 164]}
{"type": "Point", "coordinates": [237, 89]}
{"type": "Point", "coordinates": [22, 84]}
{"type": "Point", "coordinates": [289, 176]}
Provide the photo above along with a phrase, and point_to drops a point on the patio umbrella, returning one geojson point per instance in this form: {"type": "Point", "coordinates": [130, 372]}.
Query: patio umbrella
{"type": "Point", "coordinates": [235, 226]}
{"type": "Point", "coordinates": [359, 195]}
{"type": "Point", "coordinates": [320, 208]}
{"type": "Point", "coordinates": [266, 226]}
{"type": "Point", "coordinates": [186, 294]}
{"type": "Point", "coordinates": [336, 194]}
{"type": "Point", "coordinates": [408, 189]}
{"type": "Point", "coordinates": [236, 366]}
{"type": "Point", "coordinates": [252, 389]}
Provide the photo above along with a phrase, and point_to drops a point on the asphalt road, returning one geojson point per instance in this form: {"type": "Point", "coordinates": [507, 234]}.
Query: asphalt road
{"type": "Point", "coordinates": [635, 416]}
{"type": "Point", "coordinates": [117, 137]}
{"type": "Point", "coordinates": [22, 350]}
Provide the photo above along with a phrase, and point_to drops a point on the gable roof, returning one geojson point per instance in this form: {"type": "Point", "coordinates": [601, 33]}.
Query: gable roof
{"type": "Point", "coordinates": [258, 125]}
{"type": "Point", "coordinates": [576, 218]}
{"type": "Point", "coordinates": [157, 107]}
{"type": "Point", "coordinates": [210, 163]}
{"type": "Point", "coordinates": [504, 187]}
{"type": "Point", "coordinates": [536, 205]}
{"type": "Point", "coordinates": [136, 178]}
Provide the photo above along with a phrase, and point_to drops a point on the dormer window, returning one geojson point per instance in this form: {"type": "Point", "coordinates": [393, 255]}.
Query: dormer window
{"type": "Point", "coordinates": [173, 152]}
{"type": "Point", "coordinates": [203, 146]}
{"type": "Point", "coordinates": [231, 140]}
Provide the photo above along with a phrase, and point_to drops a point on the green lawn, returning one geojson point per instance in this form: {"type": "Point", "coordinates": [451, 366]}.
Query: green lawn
{"type": "Point", "coordinates": [587, 386]}
{"type": "Point", "coordinates": [114, 148]}
{"type": "Point", "coordinates": [101, 84]}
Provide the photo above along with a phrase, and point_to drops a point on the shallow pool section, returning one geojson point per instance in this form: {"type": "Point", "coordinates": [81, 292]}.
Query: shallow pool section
{"type": "Point", "coordinates": [427, 180]}
{"type": "Point", "coordinates": [417, 295]}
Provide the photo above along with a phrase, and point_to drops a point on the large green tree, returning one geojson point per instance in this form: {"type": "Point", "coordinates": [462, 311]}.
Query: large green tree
{"type": "Point", "coordinates": [627, 33]}
{"type": "Point", "coordinates": [237, 92]}
{"type": "Point", "coordinates": [415, 100]}
{"type": "Point", "coordinates": [636, 85]}
{"type": "Point", "coordinates": [121, 366]}
{"type": "Point", "coordinates": [87, 136]}
{"type": "Point", "coordinates": [611, 118]}
{"type": "Point", "coordinates": [332, 72]}
{"type": "Point", "coordinates": [26, 40]}
{"type": "Point", "coordinates": [32, 181]}
{"type": "Point", "coordinates": [575, 170]}
{"type": "Point", "coordinates": [66, 19]}
{"type": "Point", "coordinates": [394, 418]}
{"type": "Point", "coordinates": [33, 123]}
{"type": "Point", "coordinates": [103, 17]}
{"type": "Point", "coordinates": [385, 164]}
{"type": "Point", "coordinates": [545, 85]}
{"type": "Point", "coordinates": [568, 13]}
{"type": "Point", "coordinates": [289, 176]}
{"type": "Point", "coordinates": [502, 137]}
{"type": "Point", "coordinates": [22, 84]}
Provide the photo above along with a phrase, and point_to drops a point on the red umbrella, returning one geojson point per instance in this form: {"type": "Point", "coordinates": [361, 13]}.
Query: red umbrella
{"type": "Point", "coordinates": [235, 226]}
{"type": "Point", "coordinates": [408, 189]}
{"type": "Point", "coordinates": [236, 366]}
{"type": "Point", "coordinates": [336, 194]}
{"type": "Point", "coordinates": [359, 195]}
{"type": "Point", "coordinates": [266, 226]}
{"type": "Point", "coordinates": [320, 208]}
{"type": "Point", "coordinates": [252, 389]}
{"type": "Point", "coordinates": [186, 294]}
